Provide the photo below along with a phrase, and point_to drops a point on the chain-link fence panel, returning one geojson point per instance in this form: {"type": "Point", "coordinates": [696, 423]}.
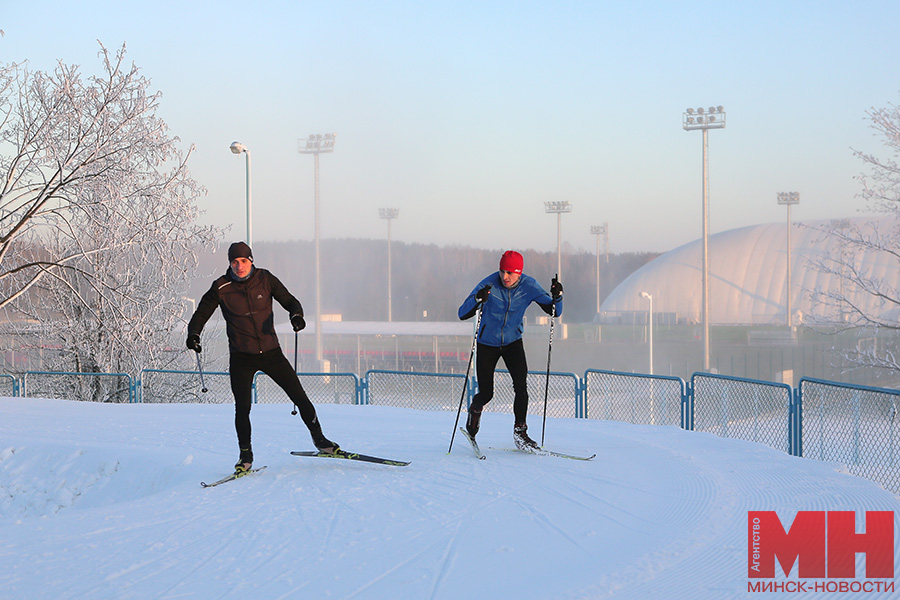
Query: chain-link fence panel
{"type": "Point", "coordinates": [322, 388]}
{"type": "Point", "coordinates": [562, 394]}
{"type": "Point", "coordinates": [855, 426]}
{"type": "Point", "coordinates": [89, 387]}
{"type": "Point", "coordinates": [9, 387]}
{"type": "Point", "coordinates": [160, 386]}
{"type": "Point", "coordinates": [756, 411]}
{"type": "Point", "coordinates": [634, 398]}
{"type": "Point", "coordinates": [422, 391]}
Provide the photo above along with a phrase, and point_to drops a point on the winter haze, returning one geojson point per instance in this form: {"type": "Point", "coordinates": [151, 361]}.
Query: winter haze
{"type": "Point", "coordinates": [468, 116]}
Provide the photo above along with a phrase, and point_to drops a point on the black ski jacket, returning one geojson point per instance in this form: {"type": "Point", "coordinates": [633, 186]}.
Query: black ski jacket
{"type": "Point", "coordinates": [247, 308]}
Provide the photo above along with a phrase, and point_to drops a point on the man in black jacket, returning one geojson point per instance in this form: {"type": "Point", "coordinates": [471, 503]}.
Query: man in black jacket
{"type": "Point", "coordinates": [245, 293]}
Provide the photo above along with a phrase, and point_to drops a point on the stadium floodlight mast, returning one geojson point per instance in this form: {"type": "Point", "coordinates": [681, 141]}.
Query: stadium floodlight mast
{"type": "Point", "coordinates": [649, 327]}
{"type": "Point", "coordinates": [558, 208]}
{"type": "Point", "coordinates": [789, 198]}
{"type": "Point", "coordinates": [238, 148]}
{"type": "Point", "coordinates": [599, 230]}
{"type": "Point", "coordinates": [316, 144]}
{"type": "Point", "coordinates": [705, 119]}
{"type": "Point", "coordinates": [389, 214]}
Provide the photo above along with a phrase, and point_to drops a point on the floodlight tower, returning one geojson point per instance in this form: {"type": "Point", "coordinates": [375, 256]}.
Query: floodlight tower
{"type": "Point", "coordinates": [599, 230]}
{"type": "Point", "coordinates": [389, 214]}
{"type": "Point", "coordinates": [317, 144]}
{"type": "Point", "coordinates": [649, 327]}
{"type": "Point", "coordinates": [704, 120]}
{"type": "Point", "coordinates": [788, 199]}
{"type": "Point", "coordinates": [559, 208]}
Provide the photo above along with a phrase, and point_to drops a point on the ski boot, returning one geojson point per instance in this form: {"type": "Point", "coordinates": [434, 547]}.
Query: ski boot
{"type": "Point", "coordinates": [473, 421]}
{"type": "Point", "coordinates": [322, 443]}
{"type": "Point", "coordinates": [245, 461]}
{"type": "Point", "coordinates": [523, 442]}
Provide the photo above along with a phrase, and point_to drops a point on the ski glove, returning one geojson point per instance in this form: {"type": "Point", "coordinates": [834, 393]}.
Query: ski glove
{"type": "Point", "coordinates": [193, 343]}
{"type": "Point", "coordinates": [298, 322]}
{"type": "Point", "coordinates": [483, 294]}
{"type": "Point", "coordinates": [556, 289]}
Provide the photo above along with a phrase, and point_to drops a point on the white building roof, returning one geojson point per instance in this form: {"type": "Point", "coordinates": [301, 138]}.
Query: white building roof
{"type": "Point", "coordinates": [748, 275]}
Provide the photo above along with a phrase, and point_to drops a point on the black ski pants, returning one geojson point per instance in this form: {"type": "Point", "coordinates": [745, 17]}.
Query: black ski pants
{"type": "Point", "coordinates": [242, 368]}
{"type": "Point", "coordinates": [513, 356]}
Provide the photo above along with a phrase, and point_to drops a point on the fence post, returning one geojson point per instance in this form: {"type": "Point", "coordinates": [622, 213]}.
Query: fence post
{"type": "Point", "coordinates": [580, 392]}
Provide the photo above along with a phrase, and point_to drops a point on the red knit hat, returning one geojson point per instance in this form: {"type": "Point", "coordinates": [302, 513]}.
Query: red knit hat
{"type": "Point", "coordinates": [511, 261]}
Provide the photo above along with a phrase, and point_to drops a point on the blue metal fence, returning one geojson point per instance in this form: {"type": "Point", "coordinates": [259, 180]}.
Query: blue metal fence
{"type": "Point", "coordinates": [635, 398]}
{"type": "Point", "coordinates": [855, 425]}
{"type": "Point", "coordinates": [93, 387]}
{"type": "Point", "coordinates": [734, 407]}
{"type": "Point", "coordinates": [9, 386]}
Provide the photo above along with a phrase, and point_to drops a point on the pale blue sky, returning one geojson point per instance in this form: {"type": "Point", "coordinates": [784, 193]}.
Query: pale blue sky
{"type": "Point", "coordinates": [468, 115]}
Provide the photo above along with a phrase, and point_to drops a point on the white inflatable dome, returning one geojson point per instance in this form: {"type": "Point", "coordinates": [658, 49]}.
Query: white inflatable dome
{"type": "Point", "coordinates": [748, 276]}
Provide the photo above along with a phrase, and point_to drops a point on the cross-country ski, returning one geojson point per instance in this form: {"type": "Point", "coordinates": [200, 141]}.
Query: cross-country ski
{"type": "Point", "coordinates": [232, 477]}
{"type": "Point", "coordinates": [352, 456]}
{"type": "Point", "coordinates": [474, 444]}
{"type": "Point", "coordinates": [545, 452]}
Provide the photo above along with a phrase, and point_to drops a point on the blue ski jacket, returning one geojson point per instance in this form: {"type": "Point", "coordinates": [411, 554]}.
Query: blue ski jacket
{"type": "Point", "coordinates": [504, 310]}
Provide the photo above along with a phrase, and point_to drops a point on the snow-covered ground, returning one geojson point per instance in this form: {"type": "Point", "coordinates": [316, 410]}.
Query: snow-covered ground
{"type": "Point", "coordinates": [103, 501]}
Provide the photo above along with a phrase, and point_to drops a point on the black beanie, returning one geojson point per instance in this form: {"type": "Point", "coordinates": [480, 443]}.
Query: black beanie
{"type": "Point", "coordinates": [240, 250]}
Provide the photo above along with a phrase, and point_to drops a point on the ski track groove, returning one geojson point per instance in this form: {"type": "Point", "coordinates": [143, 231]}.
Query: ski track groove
{"type": "Point", "coordinates": [717, 499]}
{"type": "Point", "coordinates": [599, 500]}
{"type": "Point", "coordinates": [447, 559]}
{"type": "Point", "coordinates": [451, 524]}
{"type": "Point", "coordinates": [540, 517]}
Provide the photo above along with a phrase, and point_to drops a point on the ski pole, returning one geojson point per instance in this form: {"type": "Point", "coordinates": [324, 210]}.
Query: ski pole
{"type": "Point", "coordinates": [547, 382]}
{"type": "Point", "coordinates": [200, 369]}
{"type": "Point", "coordinates": [296, 336]}
{"type": "Point", "coordinates": [466, 384]}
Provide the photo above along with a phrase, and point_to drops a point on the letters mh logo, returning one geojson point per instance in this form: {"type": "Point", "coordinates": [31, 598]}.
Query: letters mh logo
{"type": "Point", "coordinates": [824, 544]}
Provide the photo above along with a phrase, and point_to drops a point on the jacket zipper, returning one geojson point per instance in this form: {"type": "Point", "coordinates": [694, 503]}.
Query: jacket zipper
{"type": "Point", "coordinates": [250, 314]}
{"type": "Point", "coordinates": [505, 316]}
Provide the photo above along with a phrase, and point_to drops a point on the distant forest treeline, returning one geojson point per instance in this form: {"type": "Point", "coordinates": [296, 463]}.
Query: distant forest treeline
{"type": "Point", "coordinates": [429, 281]}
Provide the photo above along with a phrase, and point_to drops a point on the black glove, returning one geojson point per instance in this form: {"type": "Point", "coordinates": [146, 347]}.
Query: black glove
{"type": "Point", "coordinates": [556, 289]}
{"type": "Point", "coordinates": [297, 322]}
{"type": "Point", "coordinates": [482, 295]}
{"type": "Point", "coordinates": [193, 343]}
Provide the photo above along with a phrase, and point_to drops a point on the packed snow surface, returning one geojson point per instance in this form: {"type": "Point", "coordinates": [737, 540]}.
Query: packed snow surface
{"type": "Point", "coordinates": [103, 501]}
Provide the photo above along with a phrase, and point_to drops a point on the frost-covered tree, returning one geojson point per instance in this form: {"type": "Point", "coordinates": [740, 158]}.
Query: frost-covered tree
{"type": "Point", "coordinates": [861, 253]}
{"type": "Point", "coordinates": [98, 217]}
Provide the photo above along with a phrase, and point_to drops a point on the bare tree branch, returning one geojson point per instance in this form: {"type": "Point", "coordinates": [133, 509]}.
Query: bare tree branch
{"type": "Point", "coordinates": [98, 215]}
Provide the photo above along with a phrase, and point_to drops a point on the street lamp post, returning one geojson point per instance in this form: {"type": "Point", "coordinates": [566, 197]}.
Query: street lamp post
{"type": "Point", "coordinates": [704, 120]}
{"type": "Point", "coordinates": [789, 198]}
{"type": "Point", "coordinates": [238, 148]}
{"type": "Point", "coordinates": [316, 144]}
{"type": "Point", "coordinates": [649, 327]}
{"type": "Point", "coordinates": [559, 208]}
{"type": "Point", "coordinates": [389, 214]}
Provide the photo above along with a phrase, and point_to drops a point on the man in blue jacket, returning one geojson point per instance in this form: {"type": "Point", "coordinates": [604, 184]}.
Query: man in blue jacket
{"type": "Point", "coordinates": [503, 297]}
